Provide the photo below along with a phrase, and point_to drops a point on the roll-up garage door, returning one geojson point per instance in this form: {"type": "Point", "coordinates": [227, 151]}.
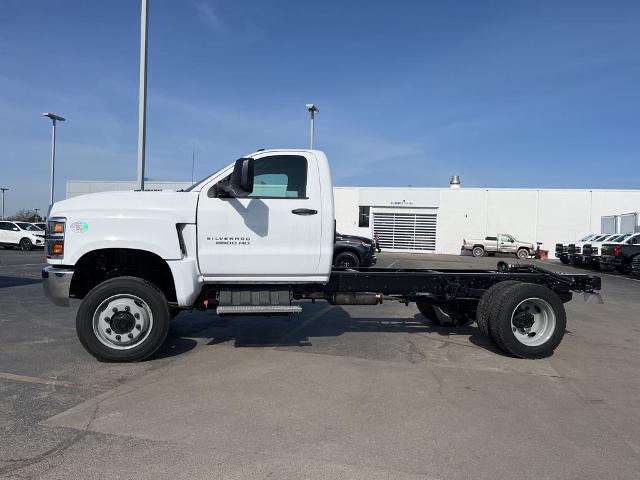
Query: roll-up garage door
{"type": "Point", "coordinates": [405, 231]}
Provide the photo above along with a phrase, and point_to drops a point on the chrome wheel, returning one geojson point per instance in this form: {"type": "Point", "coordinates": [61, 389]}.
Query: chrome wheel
{"type": "Point", "coordinates": [122, 321]}
{"type": "Point", "coordinates": [533, 322]}
{"type": "Point", "coordinates": [522, 254]}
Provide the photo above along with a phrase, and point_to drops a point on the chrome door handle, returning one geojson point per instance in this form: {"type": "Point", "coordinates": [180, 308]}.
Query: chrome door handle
{"type": "Point", "coordinates": [304, 211]}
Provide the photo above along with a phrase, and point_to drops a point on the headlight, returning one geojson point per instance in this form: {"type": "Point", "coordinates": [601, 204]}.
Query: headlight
{"type": "Point", "coordinates": [366, 244]}
{"type": "Point", "coordinates": [55, 237]}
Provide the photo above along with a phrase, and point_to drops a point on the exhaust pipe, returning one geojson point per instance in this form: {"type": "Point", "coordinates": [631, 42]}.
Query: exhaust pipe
{"type": "Point", "coordinates": [360, 298]}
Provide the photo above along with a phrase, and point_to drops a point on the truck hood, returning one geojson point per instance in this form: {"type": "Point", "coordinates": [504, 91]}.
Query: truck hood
{"type": "Point", "coordinates": [340, 236]}
{"type": "Point", "coordinates": [178, 206]}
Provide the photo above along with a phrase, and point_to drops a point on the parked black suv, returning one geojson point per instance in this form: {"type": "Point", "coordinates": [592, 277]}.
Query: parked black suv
{"type": "Point", "coordinates": [635, 266]}
{"type": "Point", "coordinates": [353, 251]}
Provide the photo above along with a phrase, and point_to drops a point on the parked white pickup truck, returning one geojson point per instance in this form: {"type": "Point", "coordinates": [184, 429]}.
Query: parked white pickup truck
{"type": "Point", "coordinates": [501, 243]}
{"type": "Point", "coordinates": [257, 237]}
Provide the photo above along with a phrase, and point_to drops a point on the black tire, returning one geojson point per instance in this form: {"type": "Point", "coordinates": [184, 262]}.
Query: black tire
{"type": "Point", "coordinates": [624, 269]}
{"type": "Point", "coordinates": [346, 260]}
{"type": "Point", "coordinates": [522, 253]}
{"type": "Point", "coordinates": [564, 259]}
{"type": "Point", "coordinates": [500, 320]}
{"type": "Point", "coordinates": [440, 316]}
{"type": "Point", "coordinates": [25, 245]}
{"type": "Point", "coordinates": [477, 251]}
{"type": "Point", "coordinates": [143, 289]}
{"type": "Point", "coordinates": [482, 312]}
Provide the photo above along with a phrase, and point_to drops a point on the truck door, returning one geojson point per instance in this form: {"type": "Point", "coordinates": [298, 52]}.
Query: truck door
{"type": "Point", "coordinates": [273, 232]}
{"type": "Point", "coordinates": [506, 244]}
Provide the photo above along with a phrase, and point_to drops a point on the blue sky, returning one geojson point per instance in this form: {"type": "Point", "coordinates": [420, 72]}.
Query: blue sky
{"type": "Point", "coordinates": [503, 93]}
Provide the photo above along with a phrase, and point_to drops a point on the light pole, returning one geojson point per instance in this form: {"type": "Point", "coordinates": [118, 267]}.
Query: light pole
{"type": "Point", "coordinates": [37, 216]}
{"type": "Point", "coordinates": [3, 190]}
{"type": "Point", "coordinates": [54, 119]}
{"type": "Point", "coordinates": [142, 96]}
{"type": "Point", "coordinates": [312, 109]}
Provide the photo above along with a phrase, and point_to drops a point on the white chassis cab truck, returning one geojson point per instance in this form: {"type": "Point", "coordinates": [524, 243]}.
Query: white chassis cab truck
{"type": "Point", "coordinates": [257, 238]}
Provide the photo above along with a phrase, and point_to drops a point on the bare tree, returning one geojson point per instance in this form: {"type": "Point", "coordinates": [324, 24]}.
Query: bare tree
{"type": "Point", "coordinates": [25, 215]}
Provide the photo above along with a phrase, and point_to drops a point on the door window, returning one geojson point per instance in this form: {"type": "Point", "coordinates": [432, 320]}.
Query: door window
{"type": "Point", "coordinates": [6, 226]}
{"type": "Point", "coordinates": [280, 176]}
{"type": "Point", "coordinates": [506, 238]}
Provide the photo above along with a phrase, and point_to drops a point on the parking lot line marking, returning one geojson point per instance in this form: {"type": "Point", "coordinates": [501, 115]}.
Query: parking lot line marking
{"type": "Point", "coordinates": [47, 381]}
{"type": "Point", "coordinates": [392, 264]}
{"type": "Point", "coordinates": [618, 276]}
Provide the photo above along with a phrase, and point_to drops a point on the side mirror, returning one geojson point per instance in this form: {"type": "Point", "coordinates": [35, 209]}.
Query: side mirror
{"type": "Point", "coordinates": [242, 177]}
{"type": "Point", "coordinates": [16, 229]}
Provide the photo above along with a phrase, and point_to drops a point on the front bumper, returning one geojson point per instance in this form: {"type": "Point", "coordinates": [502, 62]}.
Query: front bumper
{"type": "Point", "coordinates": [56, 283]}
{"type": "Point", "coordinates": [610, 261]}
{"type": "Point", "coordinates": [369, 260]}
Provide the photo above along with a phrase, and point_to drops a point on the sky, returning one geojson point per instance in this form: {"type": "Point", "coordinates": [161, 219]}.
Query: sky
{"type": "Point", "coordinates": [503, 93]}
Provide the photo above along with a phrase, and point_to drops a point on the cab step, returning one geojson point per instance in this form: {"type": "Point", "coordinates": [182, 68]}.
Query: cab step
{"type": "Point", "coordinates": [258, 309]}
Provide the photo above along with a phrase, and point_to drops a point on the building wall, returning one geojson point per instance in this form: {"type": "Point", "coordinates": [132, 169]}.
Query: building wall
{"type": "Point", "coordinates": [547, 216]}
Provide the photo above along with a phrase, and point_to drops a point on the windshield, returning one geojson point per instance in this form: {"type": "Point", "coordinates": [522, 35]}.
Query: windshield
{"type": "Point", "coordinates": [200, 182]}
{"type": "Point", "coordinates": [620, 238]}
{"type": "Point", "coordinates": [28, 227]}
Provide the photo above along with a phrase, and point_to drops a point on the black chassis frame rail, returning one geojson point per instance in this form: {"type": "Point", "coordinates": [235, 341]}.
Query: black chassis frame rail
{"type": "Point", "coordinates": [445, 285]}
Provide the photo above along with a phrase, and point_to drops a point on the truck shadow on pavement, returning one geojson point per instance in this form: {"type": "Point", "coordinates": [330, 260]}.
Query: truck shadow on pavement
{"type": "Point", "coordinates": [11, 281]}
{"type": "Point", "coordinates": [300, 330]}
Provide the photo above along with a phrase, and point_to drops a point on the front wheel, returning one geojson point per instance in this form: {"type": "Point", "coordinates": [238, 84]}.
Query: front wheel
{"type": "Point", "coordinates": [123, 319]}
{"type": "Point", "coordinates": [624, 269]}
{"type": "Point", "coordinates": [522, 253]}
{"type": "Point", "coordinates": [26, 245]}
{"type": "Point", "coordinates": [346, 260]}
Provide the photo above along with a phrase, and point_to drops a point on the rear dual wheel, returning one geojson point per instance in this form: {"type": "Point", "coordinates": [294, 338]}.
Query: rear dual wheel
{"type": "Point", "coordinates": [525, 320]}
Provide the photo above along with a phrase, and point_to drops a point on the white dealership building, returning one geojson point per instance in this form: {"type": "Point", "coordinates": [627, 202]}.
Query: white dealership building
{"type": "Point", "coordinates": [437, 219]}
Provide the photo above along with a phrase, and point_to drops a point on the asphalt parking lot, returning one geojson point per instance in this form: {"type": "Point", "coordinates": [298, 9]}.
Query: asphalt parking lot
{"type": "Point", "coordinates": [338, 392]}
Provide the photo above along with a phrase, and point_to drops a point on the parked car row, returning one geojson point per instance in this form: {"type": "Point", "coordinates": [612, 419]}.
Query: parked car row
{"type": "Point", "coordinates": [22, 235]}
{"type": "Point", "coordinates": [619, 252]}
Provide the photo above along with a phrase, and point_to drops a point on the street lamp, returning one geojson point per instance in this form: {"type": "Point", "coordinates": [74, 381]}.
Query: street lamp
{"type": "Point", "coordinates": [54, 119]}
{"type": "Point", "coordinates": [3, 190]}
{"type": "Point", "coordinates": [142, 95]}
{"type": "Point", "coordinates": [312, 109]}
{"type": "Point", "coordinates": [37, 216]}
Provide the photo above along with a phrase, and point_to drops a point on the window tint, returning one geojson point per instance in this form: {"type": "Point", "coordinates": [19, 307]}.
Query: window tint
{"type": "Point", "coordinates": [27, 226]}
{"type": "Point", "coordinates": [6, 226]}
{"type": "Point", "coordinates": [363, 216]}
{"type": "Point", "coordinates": [281, 176]}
